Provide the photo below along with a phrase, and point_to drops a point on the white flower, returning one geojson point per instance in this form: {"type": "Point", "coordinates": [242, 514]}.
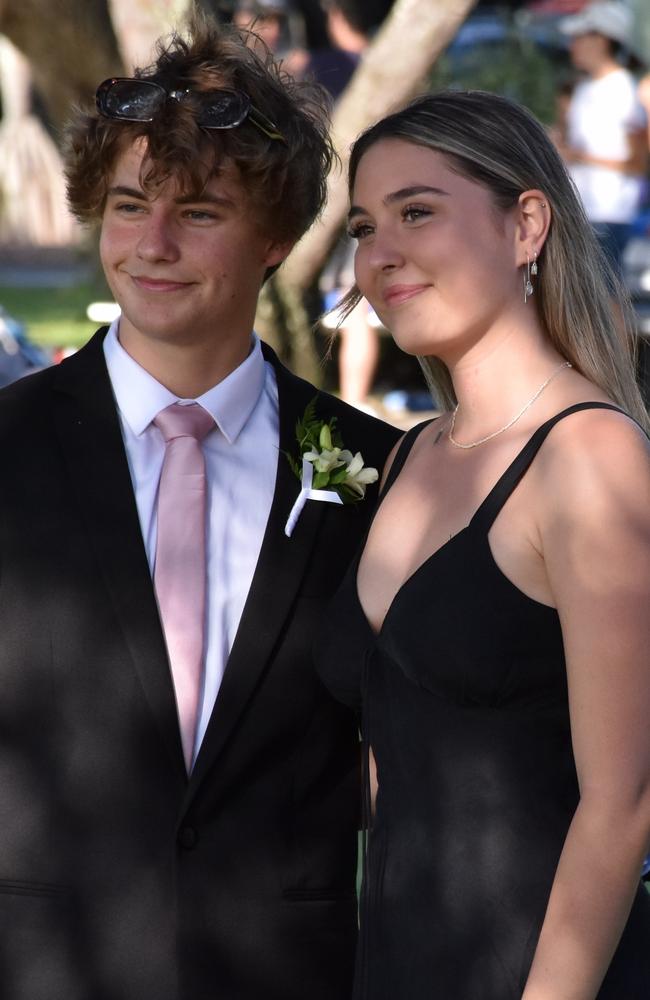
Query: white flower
{"type": "Point", "coordinates": [358, 477]}
{"type": "Point", "coordinates": [327, 471]}
{"type": "Point", "coordinates": [328, 459]}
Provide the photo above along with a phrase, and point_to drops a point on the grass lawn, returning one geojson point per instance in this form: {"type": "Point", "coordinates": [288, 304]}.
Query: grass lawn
{"type": "Point", "coordinates": [54, 317]}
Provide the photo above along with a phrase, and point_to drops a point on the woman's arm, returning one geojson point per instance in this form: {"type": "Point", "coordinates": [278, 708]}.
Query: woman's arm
{"type": "Point", "coordinates": [595, 539]}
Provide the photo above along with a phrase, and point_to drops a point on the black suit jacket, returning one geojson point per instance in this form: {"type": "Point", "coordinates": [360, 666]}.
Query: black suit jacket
{"type": "Point", "coordinates": [120, 879]}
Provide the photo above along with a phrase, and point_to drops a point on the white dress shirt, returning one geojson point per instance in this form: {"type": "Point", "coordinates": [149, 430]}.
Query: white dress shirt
{"type": "Point", "coordinates": [241, 457]}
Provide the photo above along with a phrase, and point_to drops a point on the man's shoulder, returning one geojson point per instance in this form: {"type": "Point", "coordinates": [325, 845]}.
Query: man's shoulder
{"type": "Point", "coordinates": [358, 430]}
{"type": "Point", "coordinates": [28, 399]}
{"type": "Point", "coordinates": [25, 391]}
{"type": "Point", "coordinates": [352, 417]}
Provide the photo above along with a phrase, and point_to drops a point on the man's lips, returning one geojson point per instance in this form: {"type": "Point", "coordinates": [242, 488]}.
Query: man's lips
{"type": "Point", "coordinates": [395, 294]}
{"type": "Point", "coordinates": [158, 284]}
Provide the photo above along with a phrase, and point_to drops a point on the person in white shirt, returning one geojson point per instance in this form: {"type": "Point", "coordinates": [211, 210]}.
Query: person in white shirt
{"type": "Point", "coordinates": [179, 795]}
{"type": "Point", "coordinates": [606, 148]}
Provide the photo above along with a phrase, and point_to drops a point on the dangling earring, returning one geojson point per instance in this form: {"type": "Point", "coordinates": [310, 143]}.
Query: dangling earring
{"type": "Point", "coordinates": [531, 270]}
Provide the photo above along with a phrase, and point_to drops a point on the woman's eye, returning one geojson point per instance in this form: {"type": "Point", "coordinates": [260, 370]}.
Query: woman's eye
{"type": "Point", "coordinates": [358, 231]}
{"type": "Point", "coordinates": [414, 212]}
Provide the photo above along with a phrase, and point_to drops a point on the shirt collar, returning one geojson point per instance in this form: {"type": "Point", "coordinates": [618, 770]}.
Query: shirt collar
{"type": "Point", "coordinates": [140, 397]}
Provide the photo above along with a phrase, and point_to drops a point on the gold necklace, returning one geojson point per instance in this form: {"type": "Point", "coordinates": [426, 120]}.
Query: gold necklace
{"type": "Point", "coordinates": [475, 444]}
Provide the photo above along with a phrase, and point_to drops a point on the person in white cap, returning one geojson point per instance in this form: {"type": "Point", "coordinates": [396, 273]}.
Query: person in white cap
{"type": "Point", "coordinates": [606, 124]}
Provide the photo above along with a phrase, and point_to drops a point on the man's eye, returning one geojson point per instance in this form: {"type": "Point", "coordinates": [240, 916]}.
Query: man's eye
{"type": "Point", "coordinates": [128, 207]}
{"type": "Point", "coordinates": [199, 215]}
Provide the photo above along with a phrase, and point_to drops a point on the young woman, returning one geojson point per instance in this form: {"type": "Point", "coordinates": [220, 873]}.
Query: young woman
{"type": "Point", "coordinates": [496, 623]}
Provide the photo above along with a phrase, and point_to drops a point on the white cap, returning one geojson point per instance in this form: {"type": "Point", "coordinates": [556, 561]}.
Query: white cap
{"type": "Point", "coordinates": [604, 17]}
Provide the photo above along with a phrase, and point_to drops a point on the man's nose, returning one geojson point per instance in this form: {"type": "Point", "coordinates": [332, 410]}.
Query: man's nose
{"type": "Point", "coordinates": [158, 240]}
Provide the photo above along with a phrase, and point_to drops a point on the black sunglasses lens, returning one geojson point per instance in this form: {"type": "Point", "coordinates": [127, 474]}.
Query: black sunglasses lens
{"type": "Point", "coordinates": [222, 109]}
{"type": "Point", "coordinates": [133, 100]}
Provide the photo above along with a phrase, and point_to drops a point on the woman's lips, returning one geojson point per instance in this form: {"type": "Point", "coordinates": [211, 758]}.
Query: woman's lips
{"type": "Point", "coordinates": [395, 294]}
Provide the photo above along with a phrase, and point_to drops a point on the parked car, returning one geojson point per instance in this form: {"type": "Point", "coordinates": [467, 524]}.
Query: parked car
{"type": "Point", "coordinates": [18, 355]}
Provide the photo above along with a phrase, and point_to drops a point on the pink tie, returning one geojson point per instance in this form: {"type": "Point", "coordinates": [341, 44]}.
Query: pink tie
{"type": "Point", "coordinates": [180, 574]}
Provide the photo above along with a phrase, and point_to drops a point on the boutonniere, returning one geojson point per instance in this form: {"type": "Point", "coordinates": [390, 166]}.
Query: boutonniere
{"type": "Point", "coordinates": [326, 470]}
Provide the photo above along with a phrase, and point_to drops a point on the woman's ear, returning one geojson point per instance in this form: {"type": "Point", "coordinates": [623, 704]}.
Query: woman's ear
{"type": "Point", "coordinates": [533, 221]}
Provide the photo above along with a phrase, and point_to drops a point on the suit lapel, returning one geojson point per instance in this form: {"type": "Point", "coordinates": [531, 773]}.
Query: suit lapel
{"type": "Point", "coordinates": [280, 569]}
{"type": "Point", "coordinates": [89, 434]}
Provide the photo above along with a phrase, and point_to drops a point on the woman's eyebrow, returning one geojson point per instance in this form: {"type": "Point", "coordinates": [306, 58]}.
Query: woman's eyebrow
{"type": "Point", "coordinates": [407, 192]}
{"type": "Point", "coordinates": [410, 192]}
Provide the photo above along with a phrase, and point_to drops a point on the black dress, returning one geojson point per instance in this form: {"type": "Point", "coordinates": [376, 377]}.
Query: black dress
{"type": "Point", "coordinates": [465, 705]}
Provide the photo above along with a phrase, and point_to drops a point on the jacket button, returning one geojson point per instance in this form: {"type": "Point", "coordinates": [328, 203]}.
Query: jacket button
{"type": "Point", "coordinates": [188, 837]}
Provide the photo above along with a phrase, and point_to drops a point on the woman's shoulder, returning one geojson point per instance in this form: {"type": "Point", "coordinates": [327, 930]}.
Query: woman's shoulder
{"type": "Point", "coordinates": [596, 457]}
{"type": "Point", "coordinates": [594, 425]}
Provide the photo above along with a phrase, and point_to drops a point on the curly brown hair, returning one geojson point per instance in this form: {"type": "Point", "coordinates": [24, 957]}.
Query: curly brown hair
{"type": "Point", "coordinates": [286, 180]}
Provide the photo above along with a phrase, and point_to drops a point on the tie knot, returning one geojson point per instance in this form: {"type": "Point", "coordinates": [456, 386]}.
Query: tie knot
{"type": "Point", "coordinates": [184, 421]}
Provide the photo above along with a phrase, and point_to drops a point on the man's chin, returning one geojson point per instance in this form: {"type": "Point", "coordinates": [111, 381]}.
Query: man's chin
{"type": "Point", "coordinates": [153, 330]}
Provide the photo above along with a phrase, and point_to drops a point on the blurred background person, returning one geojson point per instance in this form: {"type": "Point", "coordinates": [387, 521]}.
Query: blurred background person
{"type": "Point", "coordinates": [358, 331]}
{"type": "Point", "coordinates": [348, 34]}
{"type": "Point", "coordinates": [332, 66]}
{"type": "Point", "coordinates": [274, 21]}
{"type": "Point", "coordinates": [606, 126]}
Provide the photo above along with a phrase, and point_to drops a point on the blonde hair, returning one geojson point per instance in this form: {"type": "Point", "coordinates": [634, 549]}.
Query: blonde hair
{"type": "Point", "coordinates": [581, 301]}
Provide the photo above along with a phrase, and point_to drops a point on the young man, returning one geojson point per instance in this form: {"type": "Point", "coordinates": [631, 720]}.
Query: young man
{"type": "Point", "coordinates": [178, 793]}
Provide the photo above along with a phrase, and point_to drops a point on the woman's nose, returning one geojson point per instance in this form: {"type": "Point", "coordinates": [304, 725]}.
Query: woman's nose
{"type": "Point", "coordinates": [385, 253]}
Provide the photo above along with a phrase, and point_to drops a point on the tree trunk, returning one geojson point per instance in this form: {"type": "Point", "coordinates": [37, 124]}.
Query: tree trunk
{"type": "Point", "coordinates": [139, 23]}
{"type": "Point", "coordinates": [74, 44]}
{"type": "Point", "coordinates": [392, 71]}
{"type": "Point", "coordinates": [70, 45]}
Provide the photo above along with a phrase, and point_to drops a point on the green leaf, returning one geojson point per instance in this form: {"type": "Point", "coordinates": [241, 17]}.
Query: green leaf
{"type": "Point", "coordinates": [296, 467]}
{"type": "Point", "coordinates": [338, 476]}
{"type": "Point", "coordinates": [308, 427]}
{"type": "Point", "coordinates": [347, 495]}
{"type": "Point", "coordinates": [321, 480]}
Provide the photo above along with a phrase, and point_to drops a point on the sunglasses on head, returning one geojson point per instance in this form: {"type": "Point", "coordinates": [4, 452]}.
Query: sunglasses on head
{"type": "Point", "coordinates": [128, 100]}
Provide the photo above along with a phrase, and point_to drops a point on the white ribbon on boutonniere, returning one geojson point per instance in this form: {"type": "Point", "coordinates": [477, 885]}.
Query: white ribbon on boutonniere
{"type": "Point", "coordinates": [307, 493]}
{"type": "Point", "coordinates": [325, 463]}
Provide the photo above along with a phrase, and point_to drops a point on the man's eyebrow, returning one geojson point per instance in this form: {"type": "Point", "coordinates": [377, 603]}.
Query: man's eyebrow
{"type": "Point", "coordinates": [126, 192]}
{"type": "Point", "coordinates": [206, 197]}
{"type": "Point", "coordinates": [407, 192]}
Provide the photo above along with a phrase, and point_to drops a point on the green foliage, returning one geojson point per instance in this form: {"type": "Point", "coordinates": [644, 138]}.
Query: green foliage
{"type": "Point", "coordinates": [54, 317]}
{"type": "Point", "coordinates": [308, 431]}
{"type": "Point", "coordinates": [516, 67]}
{"type": "Point", "coordinates": [322, 440]}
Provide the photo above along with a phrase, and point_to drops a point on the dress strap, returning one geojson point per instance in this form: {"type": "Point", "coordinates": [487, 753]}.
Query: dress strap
{"type": "Point", "coordinates": [402, 454]}
{"type": "Point", "coordinates": [496, 498]}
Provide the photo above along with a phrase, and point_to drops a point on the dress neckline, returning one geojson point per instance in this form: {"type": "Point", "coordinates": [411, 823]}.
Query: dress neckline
{"type": "Point", "coordinates": [485, 513]}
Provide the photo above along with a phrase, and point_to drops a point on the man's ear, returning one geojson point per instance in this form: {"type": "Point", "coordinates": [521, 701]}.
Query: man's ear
{"type": "Point", "coordinates": [533, 221]}
{"type": "Point", "coordinates": [277, 252]}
